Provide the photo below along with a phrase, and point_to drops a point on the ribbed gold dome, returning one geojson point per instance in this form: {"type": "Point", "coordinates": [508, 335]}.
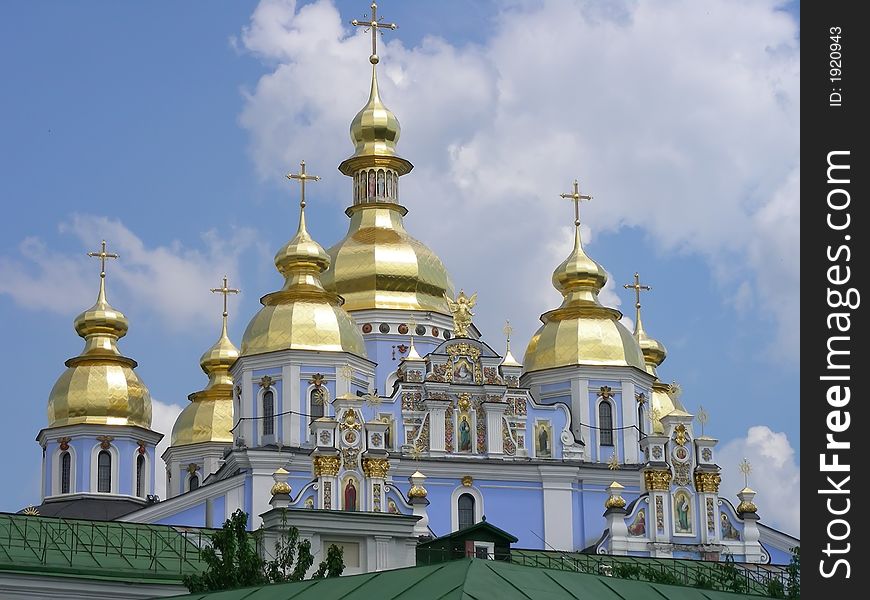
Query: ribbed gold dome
{"type": "Point", "coordinates": [209, 416]}
{"type": "Point", "coordinates": [302, 315]}
{"type": "Point", "coordinates": [581, 331]}
{"type": "Point", "coordinates": [100, 386]}
{"type": "Point", "coordinates": [379, 265]}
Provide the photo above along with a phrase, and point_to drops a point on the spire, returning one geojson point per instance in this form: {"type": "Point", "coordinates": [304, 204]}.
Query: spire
{"type": "Point", "coordinates": [579, 278]}
{"type": "Point", "coordinates": [218, 359]}
{"type": "Point", "coordinates": [508, 359]}
{"type": "Point", "coordinates": [654, 352]}
{"type": "Point", "coordinates": [101, 325]}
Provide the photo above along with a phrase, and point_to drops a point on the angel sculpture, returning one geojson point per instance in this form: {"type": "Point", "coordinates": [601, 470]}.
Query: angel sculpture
{"type": "Point", "coordinates": [461, 310]}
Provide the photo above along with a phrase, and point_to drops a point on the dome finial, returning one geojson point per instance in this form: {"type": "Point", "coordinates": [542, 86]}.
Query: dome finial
{"type": "Point", "coordinates": [374, 26]}
{"type": "Point", "coordinates": [102, 255]}
{"type": "Point", "coordinates": [225, 290]}
{"type": "Point", "coordinates": [654, 352]}
{"type": "Point", "coordinates": [302, 255]}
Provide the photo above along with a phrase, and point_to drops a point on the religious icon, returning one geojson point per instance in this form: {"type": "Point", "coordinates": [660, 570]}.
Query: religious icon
{"type": "Point", "coordinates": [394, 188]}
{"type": "Point", "coordinates": [462, 373]}
{"type": "Point", "coordinates": [464, 435]}
{"type": "Point", "coordinates": [350, 495]}
{"type": "Point", "coordinates": [371, 185]}
{"type": "Point", "coordinates": [391, 507]}
{"type": "Point", "coordinates": [381, 190]}
{"type": "Point", "coordinates": [361, 185]}
{"type": "Point", "coordinates": [683, 513]}
{"type": "Point", "coordinates": [638, 526]}
{"type": "Point", "coordinates": [389, 185]}
{"type": "Point", "coordinates": [728, 530]}
{"type": "Point", "coordinates": [543, 447]}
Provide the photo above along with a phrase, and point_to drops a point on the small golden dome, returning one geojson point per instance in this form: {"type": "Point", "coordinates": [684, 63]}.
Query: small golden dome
{"type": "Point", "coordinates": [100, 386]}
{"type": "Point", "coordinates": [581, 331]}
{"type": "Point", "coordinates": [379, 265]}
{"type": "Point", "coordinates": [302, 315]}
{"type": "Point", "coordinates": [375, 130]}
{"type": "Point", "coordinates": [209, 416]}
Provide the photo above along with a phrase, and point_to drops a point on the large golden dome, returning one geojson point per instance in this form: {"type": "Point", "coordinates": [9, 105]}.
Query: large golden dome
{"type": "Point", "coordinates": [581, 331]}
{"type": "Point", "coordinates": [378, 264]}
{"type": "Point", "coordinates": [100, 386]}
{"type": "Point", "coordinates": [209, 416]}
{"type": "Point", "coordinates": [302, 315]}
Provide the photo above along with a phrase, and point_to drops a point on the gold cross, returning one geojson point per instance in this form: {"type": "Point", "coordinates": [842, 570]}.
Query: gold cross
{"type": "Point", "coordinates": [226, 291]}
{"type": "Point", "coordinates": [302, 177]}
{"type": "Point", "coordinates": [508, 330]}
{"type": "Point", "coordinates": [638, 288]}
{"type": "Point", "coordinates": [576, 197]}
{"type": "Point", "coordinates": [374, 25]}
{"type": "Point", "coordinates": [746, 469]}
{"type": "Point", "coordinates": [102, 255]}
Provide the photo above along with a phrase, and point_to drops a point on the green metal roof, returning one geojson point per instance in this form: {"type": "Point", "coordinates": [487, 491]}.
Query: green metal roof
{"type": "Point", "coordinates": [469, 579]}
{"type": "Point", "coordinates": [98, 550]}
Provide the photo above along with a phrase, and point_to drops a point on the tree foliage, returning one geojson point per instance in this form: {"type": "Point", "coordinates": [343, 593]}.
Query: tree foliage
{"type": "Point", "coordinates": [234, 559]}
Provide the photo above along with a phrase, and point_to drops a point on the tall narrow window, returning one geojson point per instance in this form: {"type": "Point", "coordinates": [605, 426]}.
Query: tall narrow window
{"type": "Point", "coordinates": [193, 483]}
{"type": "Point", "coordinates": [605, 423]}
{"type": "Point", "coordinates": [315, 404]}
{"type": "Point", "coordinates": [640, 420]}
{"type": "Point", "coordinates": [104, 472]}
{"type": "Point", "coordinates": [140, 476]}
{"type": "Point", "coordinates": [268, 413]}
{"type": "Point", "coordinates": [65, 465]}
{"type": "Point", "coordinates": [466, 511]}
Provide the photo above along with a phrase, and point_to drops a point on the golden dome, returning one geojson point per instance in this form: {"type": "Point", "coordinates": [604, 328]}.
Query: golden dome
{"type": "Point", "coordinates": [100, 386]}
{"type": "Point", "coordinates": [581, 331]}
{"type": "Point", "coordinates": [209, 416]}
{"type": "Point", "coordinates": [302, 315]}
{"type": "Point", "coordinates": [379, 265]}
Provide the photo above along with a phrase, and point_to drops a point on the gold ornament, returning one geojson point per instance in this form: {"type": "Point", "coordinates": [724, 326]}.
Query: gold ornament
{"type": "Point", "coordinates": [746, 468]}
{"type": "Point", "coordinates": [657, 481]}
{"type": "Point", "coordinates": [461, 311]}
{"type": "Point", "coordinates": [707, 482]}
{"type": "Point", "coordinates": [613, 463]}
{"type": "Point", "coordinates": [467, 481]}
{"type": "Point", "coordinates": [376, 467]}
{"type": "Point", "coordinates": [464, 402]}
{"type": "Point", "coordinates": [30, 511]}
{"type": "Point", "coordinates": [281, 487]}
{"type": "Point", "coordinates": [326, 466]}
{"type": "Point", "coordinates": [680, 434]}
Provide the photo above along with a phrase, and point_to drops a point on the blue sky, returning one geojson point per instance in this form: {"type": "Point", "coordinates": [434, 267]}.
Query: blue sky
{"type": "Point", "coordinates": [166, 129]}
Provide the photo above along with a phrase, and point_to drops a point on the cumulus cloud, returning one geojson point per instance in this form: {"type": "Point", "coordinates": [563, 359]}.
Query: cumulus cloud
{"type": "Point", "coordinates": [163, 417]}
{"type": "Point", "coordinates": [680, 117]}
{"type": "Point", "coordinates": [169, 281]}
{"type": "Point", "coordinates": [775, 476]}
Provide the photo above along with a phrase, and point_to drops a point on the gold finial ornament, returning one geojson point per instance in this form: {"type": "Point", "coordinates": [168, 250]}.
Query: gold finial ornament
{"type": "Point", "coordinates": [280, 476]}
{"type": "Point", "coordinates": [746, 468]}
{"type": "Point", "coordinates": [375, 26]}
{"type": "Point", "coordinates": [581, 331]}
{"type": "Point", "coordinates": [30, 511]}
{"type": "Point", "coordinates": [613, 463]}
{"type": "Point", "coordinates": [615, 499]}
{"type": "Point", "coordinates": [461, 310]}
{"type": "Point", "coordinates": [302, 315]}
{"type": "Point", "coordinates": [703, 418]}
{"type": "Point", "coordinates": [209, 416]}
{"type": "Point", "coordinates": [417, 490]}
{"type": "Point", "coordinates": [100, 385]}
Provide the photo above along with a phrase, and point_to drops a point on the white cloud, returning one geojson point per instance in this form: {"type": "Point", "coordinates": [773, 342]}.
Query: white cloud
{"type": "Point", "coordinates": [680, 117]}
{"type": "Point", "coordinates": [775, 476]}
{"type": "Point", "coordinates": [163, 417]}
{"type": "Point", "coordinates": [171, 281]}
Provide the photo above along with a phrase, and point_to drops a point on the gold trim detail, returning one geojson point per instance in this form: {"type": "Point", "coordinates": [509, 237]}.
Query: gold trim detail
{"type": "Point", "coordinates": [326, 466]}
{"type": "Point", "coordinates": [707, 482]}
{"type": "Point", "coordinates": [376, 467]}
{"type": "Point", "coordinates": [657, 481]}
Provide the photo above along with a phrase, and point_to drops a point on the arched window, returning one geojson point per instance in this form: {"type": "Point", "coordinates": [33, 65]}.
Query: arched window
{"type": "Point", "coordinates": [316, 401]}
{"type": "Point", "coordinates": [605, 423]}
{"type": "Point", "coordinates": [193, 483]}
{"type": "Point", "coordinates": [65, 466]}
{"type": "Point", "coordinates": [466, 511]}
{"type": "Point", "coordinates": [640, 420]}
{"type": "Point", "coordinates": [140, 475]}
{"type": "Point", "coordinates": [104, 472]}
{"type": "Point", "coordinates": [268, 413]}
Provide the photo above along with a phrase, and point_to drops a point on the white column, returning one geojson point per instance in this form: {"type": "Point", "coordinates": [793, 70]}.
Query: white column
{"type": "Point", "coordinates": [580, 412]}
{"type": "Point", "coordinates": [437, 430]}
{"type": "Point", "coordinates": [494, 436]}
{"type": "Point", "coordinates": [558, 507]}
{"type": "Point", "coordinates": [629, 417]}
{"type": "Point", "coordinates": [290, 425]}
{"type": "Point", "coordinates": [249, 397]}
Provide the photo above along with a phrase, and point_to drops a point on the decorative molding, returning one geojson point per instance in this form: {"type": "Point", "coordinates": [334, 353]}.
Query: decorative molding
{"type": "Point", "coordinates": [326, 466]}
{"type": "Point", "coordinates": [657, 481]}
{"type": "Point", "coordinates": [707, 482]}
{"type": "Point", "coordinates": [376, 467]}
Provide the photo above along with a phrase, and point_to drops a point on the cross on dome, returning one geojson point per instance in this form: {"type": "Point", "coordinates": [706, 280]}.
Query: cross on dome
{"type": "Point", "coordinates": [302, 177]}
{"type": "Point", "coordinates": [374, 26]}
{"type": "Point", "coordinates": [102, 255]}
{"type": "Point", "coordinates": [575, 196]}
{"type": "Point", "coordinates": [225, 290]}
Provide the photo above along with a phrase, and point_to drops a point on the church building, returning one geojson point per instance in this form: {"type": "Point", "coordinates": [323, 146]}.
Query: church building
{"type": "Point", "coordinates": [363, 385]}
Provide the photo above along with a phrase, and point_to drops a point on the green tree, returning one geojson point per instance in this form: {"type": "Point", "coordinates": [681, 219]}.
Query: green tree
{"type": "Point", "coordinates": [234, 559]}
{"type": "Point", "coordinates": [793, 585]}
